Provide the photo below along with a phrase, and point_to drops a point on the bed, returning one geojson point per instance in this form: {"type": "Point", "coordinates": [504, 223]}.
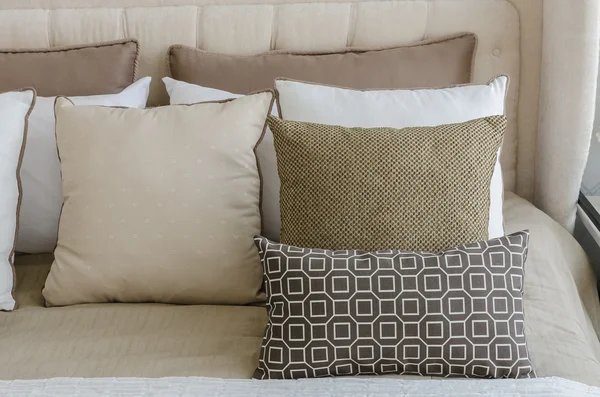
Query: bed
{"type": "Point", "coordinates": [550, 113]}
{"type": "Point", "coordinates": [153, 340]}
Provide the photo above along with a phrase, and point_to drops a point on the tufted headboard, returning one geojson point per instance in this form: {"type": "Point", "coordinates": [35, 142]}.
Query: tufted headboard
{"type": "Point", "coordinates": [549, 48]}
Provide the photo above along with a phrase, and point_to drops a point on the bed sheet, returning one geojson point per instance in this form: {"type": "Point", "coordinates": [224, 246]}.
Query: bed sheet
{"type": "Point", "coordinates": [562, 315]}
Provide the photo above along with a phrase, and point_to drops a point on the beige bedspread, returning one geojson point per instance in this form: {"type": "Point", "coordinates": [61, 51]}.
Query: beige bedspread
{"type": "Point", "coordinates": [152, 340]}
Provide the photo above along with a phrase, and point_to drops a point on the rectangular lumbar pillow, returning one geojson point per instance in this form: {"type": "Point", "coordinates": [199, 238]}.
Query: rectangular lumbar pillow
{"type": "Point", "coordinates": [86, 69]}
{"type": "Point", "coordinates": [415, 188]}
{"type": "Point", "coordinates": [457, 313]}
{"type": "Point", "coordinates": [432, 63]}
{"type": "Point", "coordinates": [15, 108]}
{"type": "Point", "coordinates": [40, 173]}
{"type": "Point", "coordinates": [399, 109]}
{"type": "Point", "coordinates": [160, 205]}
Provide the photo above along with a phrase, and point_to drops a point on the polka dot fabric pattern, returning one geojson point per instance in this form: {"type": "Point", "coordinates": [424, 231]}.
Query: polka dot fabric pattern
{"type": "Point", "coordinates": [458, 313]}
{"type": "Point", "coordinates": [417, 188]}
{"type": "Point", "coordinates": [160, 205]}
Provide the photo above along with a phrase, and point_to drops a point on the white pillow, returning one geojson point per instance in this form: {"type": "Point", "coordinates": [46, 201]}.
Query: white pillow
{"type": "Point", "coordinates": [40, 173]}
{"type": "Point", "coordinates": [184, 93]}
{"type": "Point", "coordinates": [398, 109]}
{"type": "Point", "coordinates": [14, 112]}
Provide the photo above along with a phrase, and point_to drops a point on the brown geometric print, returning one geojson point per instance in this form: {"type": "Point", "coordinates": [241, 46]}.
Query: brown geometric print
{"type": "Point", "coordinates": [459, 313]}
{"type": "Point", "coordinates": [417, 188]}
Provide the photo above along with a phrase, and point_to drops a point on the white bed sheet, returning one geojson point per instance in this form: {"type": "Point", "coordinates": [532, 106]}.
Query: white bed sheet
{"type": "Point", "coordinates": [336, 387]}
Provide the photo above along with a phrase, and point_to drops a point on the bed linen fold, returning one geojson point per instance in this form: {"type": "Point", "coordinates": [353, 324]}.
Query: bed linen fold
{"type": "Point", "coordinates": [333, 387]}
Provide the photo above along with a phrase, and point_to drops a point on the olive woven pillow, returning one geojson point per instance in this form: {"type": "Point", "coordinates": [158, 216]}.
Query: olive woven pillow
{"type": "Point", "coordinates": [417, 188]}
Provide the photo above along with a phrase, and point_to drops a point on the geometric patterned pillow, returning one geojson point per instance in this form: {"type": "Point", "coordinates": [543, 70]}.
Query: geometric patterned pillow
{"type": "Point", "coordinates": [456, 313]}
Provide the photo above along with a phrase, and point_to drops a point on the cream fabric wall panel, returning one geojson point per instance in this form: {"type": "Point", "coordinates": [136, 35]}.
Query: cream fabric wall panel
{"type": "Point", "coordinates": [567, 103]}
{"type": "Point", "coordinates": [24, 28]}
{"type": "Point", "coordinates": [67, 27]}
{"type": "Point", "coordinates": [328, 30]}
{"type": "Point", "coordinates": [247, 31]}
{"type": "Point", "coordinates": [389, 23]}
{"type": "Point", "coordinates": [54, 4]}
{"type": "Point", "coordinates": [530, 13]}
{"type": "Point", "coordinates": [510, 42]}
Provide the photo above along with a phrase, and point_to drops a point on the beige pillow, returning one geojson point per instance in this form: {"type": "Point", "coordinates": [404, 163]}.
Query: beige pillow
{"type": "Point", "coordinates": [87, 69]}
{"type": "Point", "coordinates": [369, 189]}
{"type": "Point", "coordinates": [160, 205]}
{"type": "Point", "coordinates": [432, 63]}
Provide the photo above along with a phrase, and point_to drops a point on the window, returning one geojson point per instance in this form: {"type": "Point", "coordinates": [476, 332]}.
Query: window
{"type": "Point", "coordinates": [589, 199]}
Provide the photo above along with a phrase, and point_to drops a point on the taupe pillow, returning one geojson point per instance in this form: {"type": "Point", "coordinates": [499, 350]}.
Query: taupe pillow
{"type": "Point", "coordinates": [90, 69]}
{"type": "Point", "coordinates": [417, 188]}
{"type": "Point", "coordinates": [433, 63]}
{"type": "Point", "coordinates": [458, 313]}
{"type": "Point", "coordinates": [160, 205]}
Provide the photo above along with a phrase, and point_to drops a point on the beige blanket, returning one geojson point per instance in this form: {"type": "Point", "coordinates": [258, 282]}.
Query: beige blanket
{"type": "Point", "coordinates": [151, 340]}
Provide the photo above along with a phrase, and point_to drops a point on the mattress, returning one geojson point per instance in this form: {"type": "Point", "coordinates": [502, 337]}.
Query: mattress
{"type": "Point", "coordinates": [153, 340]}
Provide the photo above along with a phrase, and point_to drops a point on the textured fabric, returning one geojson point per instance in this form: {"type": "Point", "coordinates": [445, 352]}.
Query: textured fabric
{"type": "Point", "coordinates": [153, 340]}
{"type": "Point", "coordinates": [429, 64]}
{"type": "Point", "coordinates": [417, 188]}
{"type": "Point", "coordinates": [15, 108]}
{"type": "Point", "coordinates": [101, 68]}
{"type": "Point", "coordinates": [40, 173]}
{"type": "Point", "coordinates": [335, 387]}
{"type": "Point", "coordinates": [160, 205]}
{"type": "Point", "coordinates": [438, 62]}
{"type": "Point", "coordinates": [316, 103]}
{"type": "Point", "coordinates": [458, 313]}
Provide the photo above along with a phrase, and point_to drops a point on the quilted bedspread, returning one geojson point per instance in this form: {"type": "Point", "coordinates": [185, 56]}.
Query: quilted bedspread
{"type": "Point", "coordinates": [332, 387]}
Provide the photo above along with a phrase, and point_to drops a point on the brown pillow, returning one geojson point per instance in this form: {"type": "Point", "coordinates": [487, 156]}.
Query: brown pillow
{"type": "Point", "coordinates": [91, 69]}
{"type": "Point", "coordinates": [416, 188]}
{"type": "Point", "coordinates": [433, 63]}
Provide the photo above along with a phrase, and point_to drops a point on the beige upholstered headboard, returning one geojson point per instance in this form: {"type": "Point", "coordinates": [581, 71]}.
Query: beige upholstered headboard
{"type": "Point", "coordinates": [549, 48]}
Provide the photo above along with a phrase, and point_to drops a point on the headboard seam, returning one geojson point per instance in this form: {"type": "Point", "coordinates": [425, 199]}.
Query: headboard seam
{"type": "Point", "coordinates": [351, 25]}
{"type": "Point", "coordinates": [274, 27]}
{"type": "Point", "coordinates": [49, 28]}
